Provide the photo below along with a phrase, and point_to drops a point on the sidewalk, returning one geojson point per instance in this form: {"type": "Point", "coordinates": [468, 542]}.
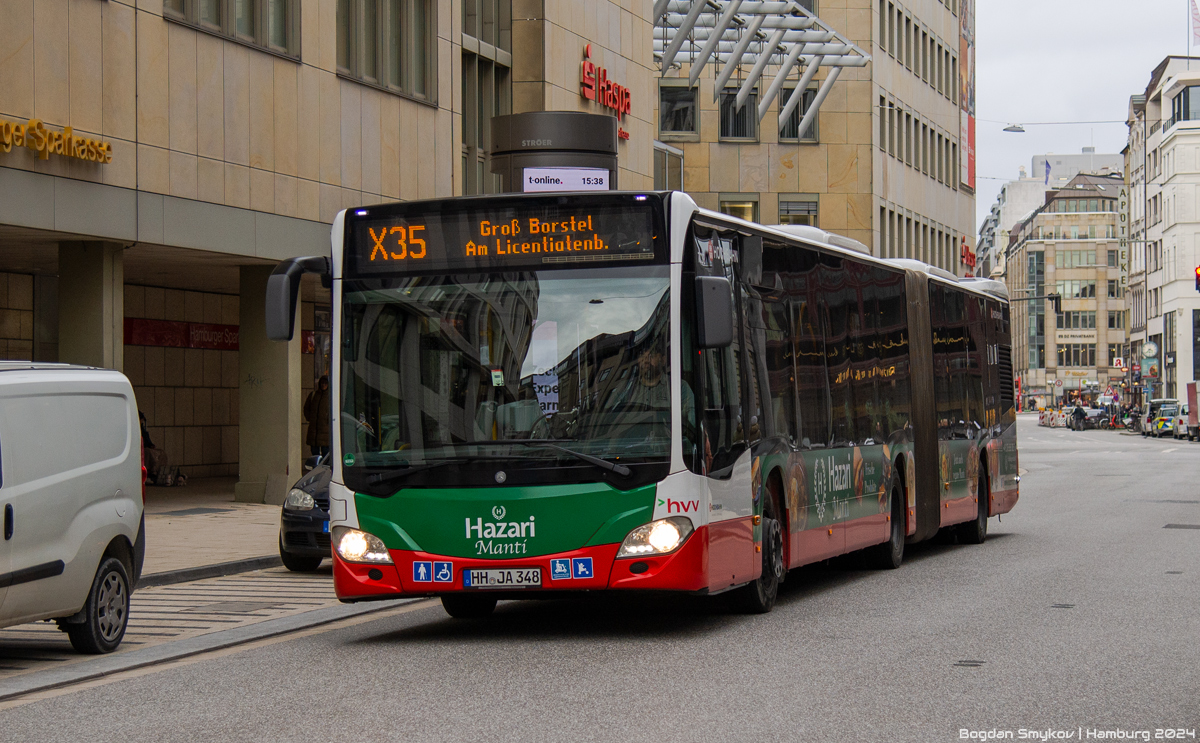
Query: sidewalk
{"type": "Point", "coordinates": [199, 524]}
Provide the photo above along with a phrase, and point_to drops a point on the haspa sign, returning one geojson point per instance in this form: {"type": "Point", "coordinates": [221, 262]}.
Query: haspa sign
{"type": "Point", "coordinates": [594, 85]}
{"type": "Point", "coordinates": [966, 255]}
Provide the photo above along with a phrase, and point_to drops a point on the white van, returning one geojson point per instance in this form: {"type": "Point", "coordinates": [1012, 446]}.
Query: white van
{"type": "Point", "coordinates": [71, 494]}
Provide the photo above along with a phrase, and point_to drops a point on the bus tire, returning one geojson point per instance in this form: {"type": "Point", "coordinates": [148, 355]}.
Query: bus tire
{"type": "Point", "coordinates": [975, 531]}
{"type": "Point", "coordinates": [890, 554]}
{"type": "Point", "coordinates": [758, 596]}
{"type": "Point", "coordinates": [468, 605]}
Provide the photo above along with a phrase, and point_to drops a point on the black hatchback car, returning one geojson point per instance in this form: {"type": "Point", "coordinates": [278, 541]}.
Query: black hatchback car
{"type": "Point", "coordinates": [304, 526]}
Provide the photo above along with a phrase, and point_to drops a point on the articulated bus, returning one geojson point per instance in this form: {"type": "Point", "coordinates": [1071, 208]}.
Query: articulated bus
{"type": "Point", "coordinates": [538, 395]}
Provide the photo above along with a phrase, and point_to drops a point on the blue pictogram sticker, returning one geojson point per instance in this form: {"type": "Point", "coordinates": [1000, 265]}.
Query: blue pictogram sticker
{"type": "Point", "coordinates": [422, 572]}
{"type": "Point", "coordinates": [581, 567]}
{"type": "Point", "coordinates": [560, 569]}
{"type": "Point", "coordinates": [443, 572]}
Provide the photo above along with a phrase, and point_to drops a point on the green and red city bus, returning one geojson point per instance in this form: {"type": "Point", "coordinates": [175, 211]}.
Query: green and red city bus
{"type": "Point", "coordinates": [543, 394]}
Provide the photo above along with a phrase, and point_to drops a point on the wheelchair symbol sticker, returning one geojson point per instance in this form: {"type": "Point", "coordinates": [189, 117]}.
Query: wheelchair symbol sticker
{"type": "Point", "coordinates": [443, 572]}
{"type": "Point", "coordinates": [560, 569]}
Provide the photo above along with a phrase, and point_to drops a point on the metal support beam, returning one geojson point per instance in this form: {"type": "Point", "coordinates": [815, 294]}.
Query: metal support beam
{"type": "Point", "coordinates": [736, 56]}
{"type": "Point", "coordinates": [777, 83]}
{"type": "Point", "coordinates": [681, 33]}
{"type": "Point", "coordinates": [798, 93]}
{"type": "Point", "coordinates": [763, 57]}
{"type": "Point", "coordinates": [818, 100]}
{"type": "Point", "coordinates": [717, 32]}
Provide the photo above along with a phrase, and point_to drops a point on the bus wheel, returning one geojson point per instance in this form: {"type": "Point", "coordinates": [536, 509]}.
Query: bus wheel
{"type": "Point", "coordinates": [975, 532]}
{"type": "Point", "coordinates": [890, 554]}
{"type": "Point", "coordinates": [468, 606]}
{"type": "Point", "coordinates": [758, 597]}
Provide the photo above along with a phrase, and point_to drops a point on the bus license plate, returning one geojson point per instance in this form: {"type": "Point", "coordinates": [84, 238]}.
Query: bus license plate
{"type": "Point", "coordinates": [504, 578]}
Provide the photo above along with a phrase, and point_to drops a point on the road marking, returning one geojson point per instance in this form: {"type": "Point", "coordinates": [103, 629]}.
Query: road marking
{"type": "Point", "coordinates": [1168, 451]}
{"type": "Point", "coordinates": [58, 691]}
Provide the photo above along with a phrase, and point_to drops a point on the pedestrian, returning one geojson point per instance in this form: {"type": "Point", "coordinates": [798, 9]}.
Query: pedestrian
{"type": "Point", "coordinates": [158, 471]}
{"type": "Point", "coordinates": [317, 415]}
{"type": "Point", "coordinates": [1078, 416]}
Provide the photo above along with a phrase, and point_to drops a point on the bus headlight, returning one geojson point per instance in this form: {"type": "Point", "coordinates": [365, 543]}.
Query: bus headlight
{"type": "Point", "coordinates": [353, 545]}
{"type": "Point", "coordinates": [657, 537]}
{"type": "Point", "coordinates": [298, 500]}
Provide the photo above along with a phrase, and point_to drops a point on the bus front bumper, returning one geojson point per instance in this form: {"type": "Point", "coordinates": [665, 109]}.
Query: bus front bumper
{"type": "Point", "coordinates": [585, 569]}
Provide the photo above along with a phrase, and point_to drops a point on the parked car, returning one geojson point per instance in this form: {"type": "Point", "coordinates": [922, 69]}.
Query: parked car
{"type": "Point", "coordinates": [1180, 428]}
{"type": "Point", "coordinates": [1149, 418]}
{"type": "Point", "coordinates": [1164, 420]}
{"type": "Point", "coordinates": [72, 493]}
{"type": "Point", "coordinates": [304, 524]}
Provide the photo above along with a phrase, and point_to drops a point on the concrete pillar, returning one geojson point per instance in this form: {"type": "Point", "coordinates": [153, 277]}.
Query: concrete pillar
{"type": "Point", "coordinates": [269, 448]}
{"type": "Point", "coordinates": [91, 304]}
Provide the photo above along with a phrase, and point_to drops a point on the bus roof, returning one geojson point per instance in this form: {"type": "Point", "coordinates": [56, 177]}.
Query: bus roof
{"type": "Point", "coordinates": [855, 249]}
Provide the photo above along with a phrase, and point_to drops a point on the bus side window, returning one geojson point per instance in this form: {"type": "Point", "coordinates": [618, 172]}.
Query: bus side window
{"type": "Point", "coordinates": [812, 384]}
{"type": "Point", "coordinates": [842, 331]}
{"type": "Point", "coordinates": [724, 430]}
{"type": "Point", "coordinates": [781, 377]}
{"type": "Point", "coordinates": [754, 340]}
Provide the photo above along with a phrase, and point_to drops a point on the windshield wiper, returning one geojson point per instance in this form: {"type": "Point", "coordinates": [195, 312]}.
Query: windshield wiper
{"type": "Point", "coordinates": [382, 478]}
{"type": "Point", "coordinates": [603, 464]}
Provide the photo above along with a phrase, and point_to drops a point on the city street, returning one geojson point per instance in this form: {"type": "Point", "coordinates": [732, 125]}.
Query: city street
{"type": "Point", "coordinates": [1079, 613]}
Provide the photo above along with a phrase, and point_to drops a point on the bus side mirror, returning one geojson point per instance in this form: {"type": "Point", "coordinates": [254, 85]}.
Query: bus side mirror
{"type": "Point", "coordinates": [283, 289]}
{"type": "Point", "coordinates": [714, 311]}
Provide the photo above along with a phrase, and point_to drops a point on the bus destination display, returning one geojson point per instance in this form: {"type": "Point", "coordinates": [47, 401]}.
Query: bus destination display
{"type": "Point", "coordinates": [547, 235]}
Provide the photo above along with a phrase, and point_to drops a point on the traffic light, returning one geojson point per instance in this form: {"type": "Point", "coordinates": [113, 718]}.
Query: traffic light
{"type": "Point", "coordinates": [1057, 298]}
{"type": "Point", "coordinates": [1198, 278]}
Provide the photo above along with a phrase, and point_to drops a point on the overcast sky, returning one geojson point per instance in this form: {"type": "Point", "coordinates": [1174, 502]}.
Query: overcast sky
{"type": "Point", "coordinates": [1062, 60]}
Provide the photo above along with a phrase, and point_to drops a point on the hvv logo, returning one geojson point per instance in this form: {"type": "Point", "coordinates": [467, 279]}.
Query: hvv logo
{"type": "Point", "coordinates": [681, 506]}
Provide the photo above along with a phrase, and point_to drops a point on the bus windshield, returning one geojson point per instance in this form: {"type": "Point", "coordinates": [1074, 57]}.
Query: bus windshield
{"type": "Point", "coordinates": [536, 364]}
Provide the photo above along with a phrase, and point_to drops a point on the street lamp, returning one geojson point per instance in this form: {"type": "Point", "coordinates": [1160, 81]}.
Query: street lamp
{"type": "Point", "coordinates": [1016, 128]}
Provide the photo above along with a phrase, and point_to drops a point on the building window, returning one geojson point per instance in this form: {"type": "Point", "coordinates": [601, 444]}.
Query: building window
{"type": "Point", "coordinates": [668, 168]}
{"type": "Point", "coordinates": [1076, 354]}
{"type": "Point", "coordinates": [1076, 289]}
{"type": "Point", "coordinates": [798, 210]}
{"type": "Point", "coordinates": [1074, 320]}
{"type": "Point", "coordinates": [1075, 258]}
{"type": "Point", "coordinates": [677, 110]}
{"type": "Point", "coordinates": [1185, 106]}
{"type": "Point", "coordinates": [388, 43]}
{"type": "Point", "coordinates": [486, 87]}
{"type": "Point", "coordinates": [273, 25]}
{"type": "Point", "coordinates": [1114, 289]}
{"type": "Point", "coordinates": [1112, 258]}
{"type": "Point", "coordinates": [739, 124]}
{"type": "Point", "coordinates": [739, 207]}
{"type": "Point", "coordinates": [791, 128]}
{"type": "Point", "coordinates": [1116, 319]}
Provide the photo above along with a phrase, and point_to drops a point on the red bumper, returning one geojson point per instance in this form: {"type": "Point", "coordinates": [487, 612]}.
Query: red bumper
{"type": "Point", "coordinates": [586, 569]}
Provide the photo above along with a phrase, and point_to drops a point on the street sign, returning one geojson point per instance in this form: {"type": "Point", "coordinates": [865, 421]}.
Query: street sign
{"type": "Point", "coordinates": [1058, 383]}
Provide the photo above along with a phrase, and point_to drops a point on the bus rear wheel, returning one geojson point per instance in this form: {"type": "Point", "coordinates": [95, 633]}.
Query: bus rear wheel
{"type": "Point", "coordinates": [975, 532]}
{"type": "Point", "coordinates": [890, 554]}
{"type": "Point", "coordinates": [469, 605]}
{"type": "Point", "coordinates": [758, 596]}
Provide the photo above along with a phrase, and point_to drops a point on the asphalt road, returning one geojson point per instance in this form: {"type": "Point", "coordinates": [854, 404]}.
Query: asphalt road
{"type": "Point", "coordinates": [1079, 614]}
